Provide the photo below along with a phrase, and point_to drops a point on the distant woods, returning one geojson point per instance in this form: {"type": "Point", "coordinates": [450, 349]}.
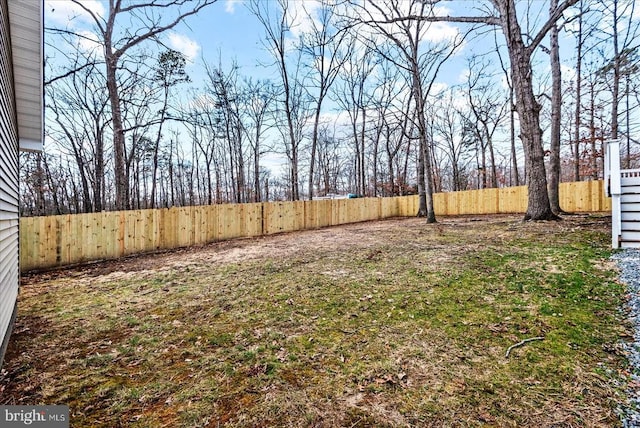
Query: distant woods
{"type": "Point", "coordinates": [353, 103]}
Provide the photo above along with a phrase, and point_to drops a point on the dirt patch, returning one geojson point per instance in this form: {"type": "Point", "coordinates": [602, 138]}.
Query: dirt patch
{"type": "Point", "coordinates": [339, 238]}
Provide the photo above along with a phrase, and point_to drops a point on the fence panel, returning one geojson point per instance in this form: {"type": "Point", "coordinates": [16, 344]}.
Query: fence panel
{"type": "Point", "coordinates": [69, 239]}
{"type": "Point", "coordinates": [512, 200]}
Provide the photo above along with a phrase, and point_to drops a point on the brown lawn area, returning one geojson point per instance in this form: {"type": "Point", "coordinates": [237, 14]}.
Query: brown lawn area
{"type": "Point", "coordinates": [383, 324]}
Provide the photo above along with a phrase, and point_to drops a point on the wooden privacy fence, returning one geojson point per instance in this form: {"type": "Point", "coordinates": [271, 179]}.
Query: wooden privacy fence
{"type": "Point", "coordinates": [581, 196]}
{"type": "Point", "coordinates": [52, 241]}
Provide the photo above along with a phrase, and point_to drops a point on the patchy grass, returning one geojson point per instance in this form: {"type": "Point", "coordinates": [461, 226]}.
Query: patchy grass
{"type": "Point", "coordinates": [386, 324]}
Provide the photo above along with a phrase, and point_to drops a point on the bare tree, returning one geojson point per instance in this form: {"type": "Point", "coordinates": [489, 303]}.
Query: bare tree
{"type": "Point", "coordinates": [331, 161]}
{"type": "Point", "coordinates": [488, 107]}
{"type": "Point", "coordinates": [578, 95]}
{"type": "Point", "coordinates": [392, 104]}
{"type": "Point", "coordinates": [258, 108]}
{"type": "Point", "coordinates": [595, 121]}
{"type": "Point", "coordinates": [322, 45]}
{"type": "Point", "coordinates": [225, 95]}
{"type": "Point", "coordinates": [387, 18]}
{"type": "Point", "coordinates": [623, 35]}
{"type": "Point", "coordinates": [448, 123]}
{"type": "Point", "coordinates": [126, 26]}
{"type": "Point", "coordinates": [352, 94]}
{"type": "Point", "coordinates": [503, 13]}
{"type": "Point", "coordinates": [203, 129]}
{"type": "Point", "coordinates": [514, 175]}
{"type": "Point", "coordinates": [79, 116]}
{"type": "Point", "coordinates": [277, 19]}
{"type": "Point", "coordinates": [169, 73]}
{"type": "Point", "coordinates": [139, 114]}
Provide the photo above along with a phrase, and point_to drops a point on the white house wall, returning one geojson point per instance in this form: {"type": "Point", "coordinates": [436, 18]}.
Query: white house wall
{"type": "Point", "coordinates": [9, 269]}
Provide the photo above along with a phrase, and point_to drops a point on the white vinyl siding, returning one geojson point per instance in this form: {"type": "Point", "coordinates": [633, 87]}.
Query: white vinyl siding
{"type": "Point", "coordinates": [9, 270]}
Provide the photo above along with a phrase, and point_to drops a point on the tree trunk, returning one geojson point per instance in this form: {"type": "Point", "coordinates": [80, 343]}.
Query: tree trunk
{"type": "Point", "coordinates": [314, 146]}
{"type": "Point", "coordinates": [256, 170]}
{"type": "Point", "coordinates": [422, 192]}
{"type": "Point", "coordinates": [538, 207]}
{"type": "Point", "coordinates": [156, 147]}
{"type": "Point", "coordinates": [240, 174]}
{"type": "Point", "coordinates": [431, 213]}
{"type": "Point", "coordinates": [492, 157]}
{"type": "Point", "coordinates": [576, 135]}
{"type": "Point", "coordinates": [119, 171]}
{"type": "Point", "coordinates": [363, 171]}
{"type": "Point", "coordinates": [98, 185]}
{"type": "Point", "coordinates": [54, 194]}
{"type": "Point", "coordinates": [392, 185]}
{"type": "Point", "coordinates": [514, 154]}
{"type": "Point", "coordinates": [556, 106]}
{"type": "Point", "coordinates": [483, 166]}
{"type": "Point", "coordinates": [292, 139]}
{"type": "Point", "coordinates": [374, 156]}
{"type": "Point", "coordinates": [427, 173]}
{"type": "Point", "coordinates": [39, 184]}
{"type": "Point", "coordinates": [592, 135]}
{"type": "Point", "coordinates": [616, 74]}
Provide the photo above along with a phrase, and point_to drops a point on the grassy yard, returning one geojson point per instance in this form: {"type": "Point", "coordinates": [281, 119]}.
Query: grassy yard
{"type": "Point", "coordinates": [385, 324]}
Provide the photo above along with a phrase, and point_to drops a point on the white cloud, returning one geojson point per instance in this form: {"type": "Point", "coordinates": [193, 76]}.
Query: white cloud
{"type": "Point", "coordinates": [572, 23]}
{"type": "Point", "coordinates": [65, 12]}
{"type": "Point", "coordinates": [89, 42]}
{"type": "Point", "coordinates": [441, 31]}
{"type": "Point", "coordinates": [230, 5]}
{"type": "Point", "coordinates": [335, 119]}
{"type": "Point", "coordinates": [458, 98]}
{"type": "Point", "coordinates": [464, 75]}
{"type": "Point", "coordinates": [183, 44]}
{"type": "Point", "coordinates": [438, 88]}
{"type": "Point", "coordinates": [302, 14]}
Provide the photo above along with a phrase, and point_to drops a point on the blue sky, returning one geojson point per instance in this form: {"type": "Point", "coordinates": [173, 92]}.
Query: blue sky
{"type": "Point", "coordinates": [229, 28]}
{"type": "Point", "coordinates": [228, 31]}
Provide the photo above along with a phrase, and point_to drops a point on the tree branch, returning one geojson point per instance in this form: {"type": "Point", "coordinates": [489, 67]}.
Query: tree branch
{"type": "Point", "coordinates": [489, 20]}
{"type": "Point", "coordinates": [72, 33]}
{"type": "Point", "coordinates": [155, 31]}
{"type": "Point", "coordinates": [95, 18]}
{"type": "Point", "coordinates": [550, 23]}
{"type": "Point", "coordinates": [68, 73]}
{"type": "Point", "coordinates": [521, 343]}
{"type": "Point", "coordinates": [153, 3]}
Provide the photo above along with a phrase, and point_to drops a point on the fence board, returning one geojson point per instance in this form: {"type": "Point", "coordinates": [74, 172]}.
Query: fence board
{"type": "Point", "coordinates": [68, 239]}
{"type": "Point", "coordinates": [211, 224]}
{"type": "Point", "coordinates": [253, 220]}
